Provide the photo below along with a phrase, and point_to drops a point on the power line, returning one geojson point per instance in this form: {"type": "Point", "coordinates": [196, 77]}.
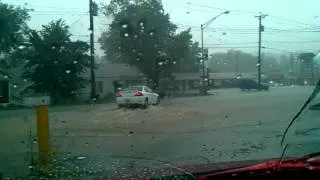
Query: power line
{"type": "Point", "coordinates": [294, 21]}
{"type": "Point", "coordinates": [76, 21]}
{"type": "Point", "coordinates": [48, 7]}
{"type": "Point", "coordinates": [218, 8]}
{"type": "Point", "coordinates": [229, 47]}
{"type": "Point", "coordinates": [246, 30]}
{"type": "Point", "coordinates": [273, 42]}
{"type": "Point", "coordinates": [292, 42]}
{"type": "Point", "coordinates": [57, 11]}
{"type": "Point", "coordinates": [280, 50]}
{"type": "Point", "coordinates": [227, 44]}
{"type": "Point", "coordinates": [52, 14]}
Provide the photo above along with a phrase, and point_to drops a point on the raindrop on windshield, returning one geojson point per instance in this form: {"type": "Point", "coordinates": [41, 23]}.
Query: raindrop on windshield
{"type": "Point", "coordinates": [68, 71]}
{"type": "Point", "coordinates": [141, 24]}
{"type": "Point", "coordinates": [6, 77]}
{"type": "Point", "coordinates": [151, 33]}
{"type": "Point", "coordinates": [138, 59]}
{"type": "Point", "coordinates": [25, 80]}
{"type": "Point", "coordinates": [126, 35]}
{"type": "Point", "coordinates": [15, 86]}
{"type": "Point", "coordinates": [174, 62]}
{"type": "Point", "coordinates": [53, 47]}
{"type": "Point", "coordinates": [75, 62]}
{"type": "Point", "coordinates": [135, 36]}
{"type": "Point", "coordinates": [55, 62]}
{"type": "Point", "coordinates": [22, 47]}
{"type": "Point", "coordinates": [124, 25]}
{"type": "Point", "coordinates": [81, 157]}
{"type": "Point", "coordinates": [160, 63]}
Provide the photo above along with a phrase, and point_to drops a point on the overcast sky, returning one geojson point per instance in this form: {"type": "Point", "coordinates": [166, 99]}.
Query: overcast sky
{"type": "Point", "coordinates": [291, 25]}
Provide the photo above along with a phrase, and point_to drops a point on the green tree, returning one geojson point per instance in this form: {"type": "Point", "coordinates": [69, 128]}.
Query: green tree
{"type": "Point", "coordinates": [54, 64]}
{"type": "Point", "coordinates": [142, 36]}
{"type": "Point", "coordinates": [12, 27]}
{"type": "Point", "coordinates": [233, 61]}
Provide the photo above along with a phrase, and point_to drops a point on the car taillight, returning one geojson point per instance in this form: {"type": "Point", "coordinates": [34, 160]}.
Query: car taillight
{"type": "Point", "coordinates": [118, 94]}
{"type": "Point", "coordinates": [138, 93]}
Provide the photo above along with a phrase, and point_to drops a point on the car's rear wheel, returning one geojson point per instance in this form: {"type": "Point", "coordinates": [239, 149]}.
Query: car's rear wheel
{"type": "Point", "coordinates": [146, 104]}
{"type": "Point", "coordinates": [158, 101]}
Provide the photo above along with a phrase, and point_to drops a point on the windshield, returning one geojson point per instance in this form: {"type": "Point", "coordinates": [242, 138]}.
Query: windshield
{"type": "Point", "coordinates": [105, 88]}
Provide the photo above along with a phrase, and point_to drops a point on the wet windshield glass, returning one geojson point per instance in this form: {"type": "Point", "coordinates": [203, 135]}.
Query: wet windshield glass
{"type": "Point", "coordinates": [221, 81]}
{"type": "Point", "coordinates": [302, 136]}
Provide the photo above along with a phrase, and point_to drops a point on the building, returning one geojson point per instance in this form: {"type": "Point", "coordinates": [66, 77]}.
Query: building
{"type": "Point", "coordinates": [107, 73]}
{"type": "Point", "coordinates": [307, 71]}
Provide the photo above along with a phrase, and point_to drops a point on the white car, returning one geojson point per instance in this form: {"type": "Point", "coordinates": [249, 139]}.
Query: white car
{"type": "Point", "coordinates": [137, 95]}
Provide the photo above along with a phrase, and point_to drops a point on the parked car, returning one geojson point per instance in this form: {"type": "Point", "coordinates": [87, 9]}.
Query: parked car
{"type": "Point", "coordinates": [137, 95]}
{"type": "Point", "coordinates": [250, 84]}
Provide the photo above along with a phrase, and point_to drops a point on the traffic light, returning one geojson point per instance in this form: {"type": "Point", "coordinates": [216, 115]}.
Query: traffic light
{"type": "Point", "coordinates": [205, 54]}
{"type": "Point", "coordinates": [94, 9]}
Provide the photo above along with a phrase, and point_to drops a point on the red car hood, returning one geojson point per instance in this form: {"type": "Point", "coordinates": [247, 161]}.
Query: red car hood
{"type": "Point", "coordinates": [312, 164]}
{"type": "Point", "coordinates": [223, 168]}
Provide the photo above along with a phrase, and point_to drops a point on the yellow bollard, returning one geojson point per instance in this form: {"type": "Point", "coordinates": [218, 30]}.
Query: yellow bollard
{"type": "Point", "coordinates": [43, 134]}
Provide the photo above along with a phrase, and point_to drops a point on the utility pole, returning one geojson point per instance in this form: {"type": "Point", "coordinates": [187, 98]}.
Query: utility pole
{"type": "Point", "coordinates": [203, 64]}
{"type": "Point", "coordinates": [291, 70]}
{"type": "Point", "coordinates": [237, 63]}
{"type": "Point", "coordinates": [261, 29]}
{"type": "Point", "coordinates": [92, 12]}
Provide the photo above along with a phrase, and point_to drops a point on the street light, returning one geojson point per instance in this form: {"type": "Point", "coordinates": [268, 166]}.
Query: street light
{"type": "Point", "coordinates": [203, 26]}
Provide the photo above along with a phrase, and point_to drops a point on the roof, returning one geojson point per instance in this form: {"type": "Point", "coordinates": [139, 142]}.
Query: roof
{"type": "Point", "coordinates": [196, 76]}
{"type": "Point", "coordinates": [188, 76]}
{"type": "Point", "coordinates": [110, 70]}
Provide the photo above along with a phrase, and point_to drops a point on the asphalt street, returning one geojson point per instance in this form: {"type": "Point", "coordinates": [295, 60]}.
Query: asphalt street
{"type": "Point", "coordinates": [229, 126]}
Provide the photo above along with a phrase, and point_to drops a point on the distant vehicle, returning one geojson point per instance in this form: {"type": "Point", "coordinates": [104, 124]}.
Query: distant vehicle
{"type": "Point", "coordinates": [137, 95]}
{"type": "Point", "coordinates": [249, 84]}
